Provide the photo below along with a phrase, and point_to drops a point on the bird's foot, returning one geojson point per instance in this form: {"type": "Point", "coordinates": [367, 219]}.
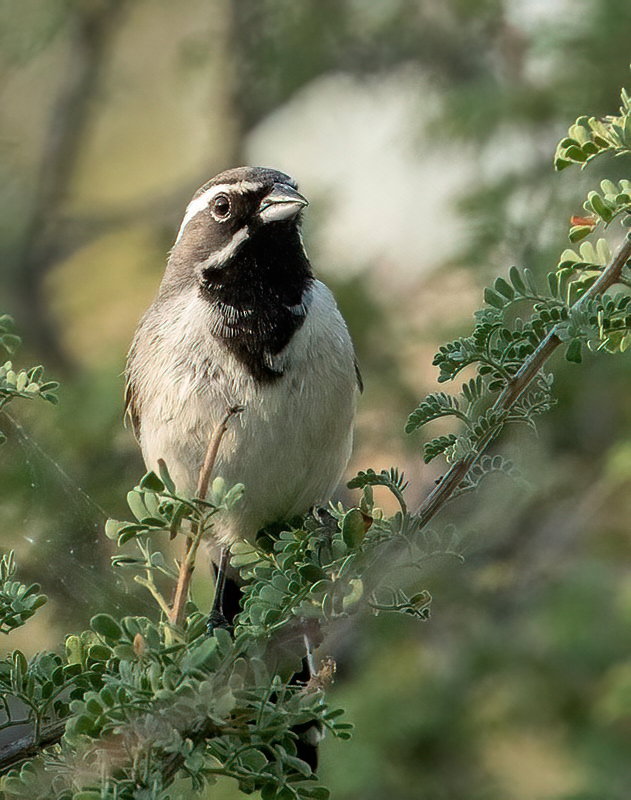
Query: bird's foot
{"type": "Point", "coordinates": [217, 620]}
{"type": "Point", "coordinates": [325, 518]}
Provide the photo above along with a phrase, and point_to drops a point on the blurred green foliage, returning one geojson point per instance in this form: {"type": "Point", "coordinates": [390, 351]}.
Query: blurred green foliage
{"type": "Point", "coordinates": [146, 704]}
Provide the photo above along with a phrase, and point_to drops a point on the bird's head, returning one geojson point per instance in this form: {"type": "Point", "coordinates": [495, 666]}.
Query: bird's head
{"type": "Point", "coordinates": [237, 216]}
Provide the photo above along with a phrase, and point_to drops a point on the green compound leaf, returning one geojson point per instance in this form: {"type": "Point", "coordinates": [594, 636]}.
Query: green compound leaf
{"type": "Point", "coordinates": [438, 446]}
{"type": "Point", "coordinates": [106, 626]}
{"type": "Point", "coordinates": [434, 406]}
{"type": "Point", "coordinates": [18, 601]}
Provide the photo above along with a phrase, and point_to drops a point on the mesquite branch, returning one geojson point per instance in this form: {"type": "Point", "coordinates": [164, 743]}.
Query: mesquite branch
{"type": "Point", "coordinates": [518, 385]}
{"type": "Point", "coordinates": [16, 751]}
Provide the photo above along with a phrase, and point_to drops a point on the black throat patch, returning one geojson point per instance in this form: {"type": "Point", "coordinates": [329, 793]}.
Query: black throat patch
{"type": "Point", "coordinates": [260, 296]}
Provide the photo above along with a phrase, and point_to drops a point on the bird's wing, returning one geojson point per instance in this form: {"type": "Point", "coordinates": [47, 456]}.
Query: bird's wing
{"type": "Point", "coordinates": [360, 382]}
{"type": "Point", "coordinates": [131, 410]}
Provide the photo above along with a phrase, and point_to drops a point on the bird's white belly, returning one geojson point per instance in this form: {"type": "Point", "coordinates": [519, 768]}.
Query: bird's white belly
{"type": "Point", "coordinates": [290, 444]}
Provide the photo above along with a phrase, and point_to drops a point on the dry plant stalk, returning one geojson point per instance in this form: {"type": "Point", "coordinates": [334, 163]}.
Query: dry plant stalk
{"type": "Point", "coordinates": [187, 567]}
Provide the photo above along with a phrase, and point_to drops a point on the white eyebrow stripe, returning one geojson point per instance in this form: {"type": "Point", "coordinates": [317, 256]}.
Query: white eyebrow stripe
{"type": "Point", "coordinates": [194, 207]}
{"type": "Point", "coordinates": [202, 202]}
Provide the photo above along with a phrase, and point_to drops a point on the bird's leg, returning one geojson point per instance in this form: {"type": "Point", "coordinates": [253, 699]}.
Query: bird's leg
{"type": "Point", "coordinates": [325, 518]}
{"type": "Point", "coordinates": [308, 734]}
{"type": "Point", "coordinates": [217, 618]}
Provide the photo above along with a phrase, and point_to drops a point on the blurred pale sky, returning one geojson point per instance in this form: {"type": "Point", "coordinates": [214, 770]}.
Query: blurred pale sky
{"type": "Point", "coordinates": [529, 14]}
{"type": "Point", "coordinates": [358, 149]}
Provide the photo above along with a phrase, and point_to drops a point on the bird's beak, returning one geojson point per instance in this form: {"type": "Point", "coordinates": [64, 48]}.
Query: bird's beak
{"type": "Point", "coordinates": [282, 203]}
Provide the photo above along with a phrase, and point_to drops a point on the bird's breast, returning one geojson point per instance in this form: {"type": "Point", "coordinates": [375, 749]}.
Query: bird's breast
{"type": "Point", "coordinates": [292, 440]}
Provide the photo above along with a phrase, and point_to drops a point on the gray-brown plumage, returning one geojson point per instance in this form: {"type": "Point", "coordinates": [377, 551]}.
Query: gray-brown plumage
{"type": "Point", "coordinates": [240, 320]}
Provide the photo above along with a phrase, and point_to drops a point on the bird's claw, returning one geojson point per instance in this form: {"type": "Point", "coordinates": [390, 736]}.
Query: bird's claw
{"type": "Point", "coordinates": [217, 620]}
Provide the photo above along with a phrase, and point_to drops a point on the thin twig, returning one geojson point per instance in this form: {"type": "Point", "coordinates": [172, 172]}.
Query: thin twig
{"type": "Point", "coordinates": [176, 615]}
{"type": "Point", "coordinates": [205, 473]}
{"type": "Point", "coordinates": [149, 584]}
{"type": "Point", "coordinates": [444, 492]}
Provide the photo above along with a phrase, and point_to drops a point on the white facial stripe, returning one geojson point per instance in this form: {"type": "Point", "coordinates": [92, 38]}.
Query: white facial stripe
{"type": "Point", "coordinates": [195, 206]}
{"type": "Point", "coordinates": [228, 250]}
{"type": "Point", "coordinates": [204, 200]}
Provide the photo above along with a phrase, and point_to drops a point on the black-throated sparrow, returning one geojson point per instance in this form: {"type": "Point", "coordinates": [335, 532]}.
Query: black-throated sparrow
{"type": "Point", "coordinates": [240, 320]}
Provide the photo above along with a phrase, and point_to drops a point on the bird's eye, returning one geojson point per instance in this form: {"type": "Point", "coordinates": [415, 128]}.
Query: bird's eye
{"type": "Point", "coordinates": [221, 207]}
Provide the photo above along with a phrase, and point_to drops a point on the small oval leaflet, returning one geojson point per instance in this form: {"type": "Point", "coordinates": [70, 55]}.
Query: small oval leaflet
{"type": "Point", "coordinates": [356, 524]}
{"type": "Point", "coordinates": [106, 626]}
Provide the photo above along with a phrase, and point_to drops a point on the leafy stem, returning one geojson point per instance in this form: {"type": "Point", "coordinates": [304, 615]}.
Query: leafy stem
{"type": "Point", "coordinates": [517, 385]}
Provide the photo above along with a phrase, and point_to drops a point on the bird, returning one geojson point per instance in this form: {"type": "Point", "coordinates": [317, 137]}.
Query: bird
{"type": "Point", "coordinates": [241, 321]}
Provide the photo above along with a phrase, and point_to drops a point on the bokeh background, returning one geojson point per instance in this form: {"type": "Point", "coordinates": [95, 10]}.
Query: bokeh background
{"type": "Point", "coordinates": [423, 133]}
